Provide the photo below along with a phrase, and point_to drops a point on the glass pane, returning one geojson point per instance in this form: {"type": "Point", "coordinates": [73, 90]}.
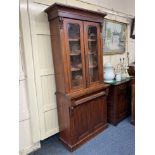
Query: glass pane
{"type": "Point", "coordinates": [73, 31]}
{"type": "Point", "coordinates": [92, 32]}
{"type": "Point", "coordinates": [93, 54]}
{"type": "Point", "coordinates": [75, 55]}
{"type": "Point", "coordinates": [74, 47]}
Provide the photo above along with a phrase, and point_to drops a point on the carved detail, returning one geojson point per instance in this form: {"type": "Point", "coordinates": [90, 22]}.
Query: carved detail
{"type": "Point", "coordinates": [61, 22]}
{"type": "Point", "coordinates": [101, 27]}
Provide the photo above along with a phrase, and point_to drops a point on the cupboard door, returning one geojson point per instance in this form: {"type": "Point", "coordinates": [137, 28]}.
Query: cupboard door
{"type": "Point", "coordinates": [121, 104]}
{"type": "Point", "coordinates": [128, 98]}
{"type": "Point", "coordinates": [123, 100]}
{"type": "Point", "coordinates": [98, 112]}
{"type": "Point", "coordinates": [93, 52]}
{"type": "Point", "coordinates": [88, 114]}
{"type": "Point", "coordinates": [81, 121]}
{"type": "Point", "coordinates": [75, 53]}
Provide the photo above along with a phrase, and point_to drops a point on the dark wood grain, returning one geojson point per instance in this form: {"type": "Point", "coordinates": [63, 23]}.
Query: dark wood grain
{"type": "Point", "coordinates": [99, 52]}
{"type": "Point", "coordinates": [133, 101]}
{"type": "Point", "coordinates": [82, 111]}
{"type": "Point", "coordinates": [119, 101]}
{"type": "Point", "coordinates": [71, 12]}
{"type": "Point", "coordinates": [67, 21]}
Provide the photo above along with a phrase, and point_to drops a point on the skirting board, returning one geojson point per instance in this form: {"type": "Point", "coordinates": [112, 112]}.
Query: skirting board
{"type": "Point", "coordinates": [30, 149]}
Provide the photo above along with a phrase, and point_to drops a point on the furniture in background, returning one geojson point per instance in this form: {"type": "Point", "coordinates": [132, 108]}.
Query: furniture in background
{"type": "Point", "coordinates": [131, 72]}
{"type": "Point", "coordinates": [131, 69]}
{"type": "Point", "coordinates": [132, 32]}
{"type": "Point", "coordinates": [119, 101]}
{"type": "Point", "coordinates": [77, 56]}
{"type": "Point", "coordinates": [133, 101]}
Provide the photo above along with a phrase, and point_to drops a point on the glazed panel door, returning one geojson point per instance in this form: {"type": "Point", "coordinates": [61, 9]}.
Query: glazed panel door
{"type": "Point", "coordinates": [93, 53]}
{"type": "Point", "coordinates": [75, 54]}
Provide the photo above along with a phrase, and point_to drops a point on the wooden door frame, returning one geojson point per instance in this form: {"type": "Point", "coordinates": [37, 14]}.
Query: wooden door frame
{"type": "Point", "coordinates": [66, 21]}
{"type": "Point", "coordinates": [100, 55]}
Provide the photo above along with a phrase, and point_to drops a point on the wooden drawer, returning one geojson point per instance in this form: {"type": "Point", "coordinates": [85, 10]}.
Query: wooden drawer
{"type": "Point", "coordinates": [88, 98]}
{"type": "Point", "coordinates": [122, 86]}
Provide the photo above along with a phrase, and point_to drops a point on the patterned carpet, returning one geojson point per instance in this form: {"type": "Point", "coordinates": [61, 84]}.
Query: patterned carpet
{"type": "Point", "coordinates": [115, 140]}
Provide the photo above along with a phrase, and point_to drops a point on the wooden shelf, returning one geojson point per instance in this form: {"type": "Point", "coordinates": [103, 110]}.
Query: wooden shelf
{"type": "Point", "coordinates": [92, 52]}
{"type": "Point", "coordinates": [93, 66]}
{"type": "Point", "coordinates": [75, 69]}
{"type": "Point", "coordinates": [76, 39]}
{"type": "Point", "coordinates": [77, 82]}
{"type": "Point", "coordinates": [92, 39]}
{"type": "Point", "coordinates": [75, 54]}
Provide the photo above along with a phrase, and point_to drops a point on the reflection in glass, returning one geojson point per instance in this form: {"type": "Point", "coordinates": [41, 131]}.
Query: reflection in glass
{"type": "Point", "coordinates": [74, 47]}
{"type": "Point", "coordinates": [92, 46]}
{"type": "Point", "coordinates": [77, 78]}
{"type": "Point", "coordinates": [73, 31]}
{"type": "Point", "coordinates": [93, 54]}
{"type": "Point", "coordinates": [75, 54]}
{"type": "Point", "coordinates": [92, 32]}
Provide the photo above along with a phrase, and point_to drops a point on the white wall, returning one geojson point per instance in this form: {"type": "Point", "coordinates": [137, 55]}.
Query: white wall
{"type": "Point", "coordinates": [24, 116]}
{"type": "Point", "coordinates": [124, 6]}
{"type": "Point", "coordinates": [29, 135]}
{"type": "Point", "coordinates": [26, 144]}
{"type": "Point", "coordinates": [40, 103]}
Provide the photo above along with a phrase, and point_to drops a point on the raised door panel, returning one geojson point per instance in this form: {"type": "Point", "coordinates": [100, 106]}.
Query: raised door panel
{"type": "Point", "coordinates": [48, 107]}
{"type": "Point", "coordinates": [48, 92]}
{"type": "Point", "coordinates": [123, 100]}
{"type": "Point", "coordinates": [121, 104]}
{"type": "Point", "coordinates": [98, 112]}
{"type": "Point", "coordinates": [45, 59]}
{"type": "Point", "coordinates": [45, 83]}
{"type": "Point", "coordinates": [128, 99]}
{"type": "Point", "coordinates": [40, 24]}
{"type": "Point", "coordinates": [81, 121]}
{"type": "Point", "coordinates": [75, 53]}
{"type": "Point", "coordinates": [51, 122]}
{"type": "Point", "coordinates": [93, 53]}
